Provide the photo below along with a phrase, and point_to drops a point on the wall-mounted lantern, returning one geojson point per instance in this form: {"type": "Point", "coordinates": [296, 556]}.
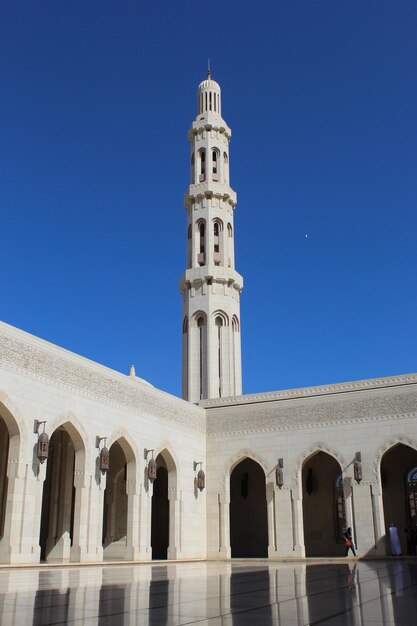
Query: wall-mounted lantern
{"type": "Point", "coordinates": [357, 467]}
{"type": "Point", "coordinates": [279, 473]}
{"type": "Point", "coordinates": [104, 455]}
{"type": "Point", "coordinates": [152, 467]}
{"type": "Point", "coordinates": [43, 441]}
{"type": "Point", "coordinates": [201, 477]}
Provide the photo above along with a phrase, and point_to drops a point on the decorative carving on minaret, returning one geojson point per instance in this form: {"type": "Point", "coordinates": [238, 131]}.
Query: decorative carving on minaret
{"type": "Point", "coordinates": [210, 285]}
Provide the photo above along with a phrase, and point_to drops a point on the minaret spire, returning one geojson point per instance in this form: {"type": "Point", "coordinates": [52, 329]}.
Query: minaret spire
{"type": "Point", "coordinates": [210, 285]}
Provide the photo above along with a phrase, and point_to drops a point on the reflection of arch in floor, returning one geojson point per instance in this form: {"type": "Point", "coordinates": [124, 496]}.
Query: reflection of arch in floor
{"type": "Point", "coordinates": [324, 515]}
{"type": "Point", "coordinates": [248, 511]}
{"type": "Point", "coordinates": [399, 495]}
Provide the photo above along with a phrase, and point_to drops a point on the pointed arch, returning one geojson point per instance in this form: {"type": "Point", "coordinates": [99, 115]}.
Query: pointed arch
{"type": "Point", "coordinates": [248, 510]}
{"type": "Point", "coordinates": [165, 520]}
{"type": "Point", "coordinates": [170, 459]}
{"type": "Point", "coordinates": [222, 315]}
{"type": "Point", "coordinates": [234, 460]}
{"type": "Point", "coordinates": [312, 451]}
{"type": "Point", "coordinates": [61, 536]}
{"type": "Point", "coordinates": [235, 324]}
{"type": "Point", "coordinates": [127, 443]}
{"type": "Point", "coordinates": [323, 501]}
{"type": "Point", "coordinates": [10, 452]}
{"type": "Point", "coordinates": [15, 425]}
{"type": "Point", "coordinates": [391, 442]}
{"type": "Point", "coordinates": [118, 504]}
{"type": "Point", "coordinates": [397, 464]}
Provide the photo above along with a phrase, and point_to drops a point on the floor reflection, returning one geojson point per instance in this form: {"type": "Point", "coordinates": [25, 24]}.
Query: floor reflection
{"type": "Point", "coordinates": [238, 593]}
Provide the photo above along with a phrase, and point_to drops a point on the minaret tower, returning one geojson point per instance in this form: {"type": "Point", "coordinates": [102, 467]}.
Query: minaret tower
{"type": "Point", "coordinates": [210, 286]}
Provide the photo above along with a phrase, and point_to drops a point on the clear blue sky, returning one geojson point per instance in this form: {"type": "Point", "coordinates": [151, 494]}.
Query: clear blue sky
{"type": "Point", "coordinates": [96, 100]}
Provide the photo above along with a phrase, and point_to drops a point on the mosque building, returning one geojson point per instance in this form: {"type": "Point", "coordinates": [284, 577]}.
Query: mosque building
{"type": "Point", "coordinates": [96, 465]}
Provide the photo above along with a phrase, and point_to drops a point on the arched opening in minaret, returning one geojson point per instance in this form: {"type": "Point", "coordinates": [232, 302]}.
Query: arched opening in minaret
{"type": "Point", "coordinates": [324, 512]}
{"type": "Point", "coordinates": [185, 358]}
{"type": "Point", "coordinates": [163, 512]}
{"type": "Point", "coordinates": [399, 492]}
{"type": "Point", "coordinates": [225, 167]}
{"type": "Point", "coordinates": [122, 464]}
{"type": "Point", "coordinates": [248, 511]}
{"type": "Point", "coordinates": [217, 251]}
{"type": "Point", "coordinates": [215, 163]}
{"type": "Point", "coordinates": [189, 245]}
{"type": "Point", "coordinates": [201, 231]}
{"type": "Point", "coordinates": [192, 173]}
{"type": "Point", "coordinates": [201, 328]}
{"type": "Point", "coordinates": [202, 160]}
{"type": "Point", "coordinates": [60, 506]}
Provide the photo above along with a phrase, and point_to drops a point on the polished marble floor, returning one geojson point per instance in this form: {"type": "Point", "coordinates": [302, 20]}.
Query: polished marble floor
{"type": "Point", "coordinates": [238, 593]}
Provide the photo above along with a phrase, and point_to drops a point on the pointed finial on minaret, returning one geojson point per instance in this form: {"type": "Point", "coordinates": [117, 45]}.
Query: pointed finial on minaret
{"type": "Point", "coordinates": [208, 70]}
{"type": "Point", "coordinates": [132, 371]}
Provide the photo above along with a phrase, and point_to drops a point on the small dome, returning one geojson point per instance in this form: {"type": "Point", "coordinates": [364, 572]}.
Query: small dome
{"type": "Point", "coordinates": [209, 97]}
{"type": "Point", "coordinates": [209, 84]}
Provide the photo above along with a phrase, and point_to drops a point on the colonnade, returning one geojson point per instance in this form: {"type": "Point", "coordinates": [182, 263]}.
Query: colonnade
{"type": "Point", "coordinates": [58, 512]}
{"type": "Point", "coordinates": [310, 517]}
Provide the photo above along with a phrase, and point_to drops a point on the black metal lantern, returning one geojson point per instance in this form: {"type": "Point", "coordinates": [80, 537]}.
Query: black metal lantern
{"type": "Point", "coordinates": [201, 480]}
{"type": "Point", "coordinates": [43, 442]}
{"type": "Point", "coordinates": [279, 473]}
{"type": "Point", "coordinates": [152, 470]}
{"type": "Point", "coordinates": [104, 458]}
{"type": "Point", "coordinates": [152, 467]}
{"type": "Point", "coordinates": [201, 477]}
{"type": "Point", "coordinates": [357, 467]}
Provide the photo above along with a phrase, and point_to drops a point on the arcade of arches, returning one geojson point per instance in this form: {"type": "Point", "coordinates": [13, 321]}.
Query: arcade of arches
{"type": "Point", "coordinates": [325, 500]}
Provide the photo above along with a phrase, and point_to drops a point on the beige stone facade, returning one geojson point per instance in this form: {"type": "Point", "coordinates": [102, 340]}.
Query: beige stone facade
{"type": "Point", "coordinates": [286, 472]}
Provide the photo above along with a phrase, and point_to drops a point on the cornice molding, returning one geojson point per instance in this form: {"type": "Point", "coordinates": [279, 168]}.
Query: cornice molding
{"type": "Point", "coordinates": [304, 392]}
{"type": "Point", "coordinates": [42, 361]}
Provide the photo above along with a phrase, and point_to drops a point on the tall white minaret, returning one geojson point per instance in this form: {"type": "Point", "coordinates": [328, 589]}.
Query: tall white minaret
{"type": "Point", "coordinates": [210, 286]}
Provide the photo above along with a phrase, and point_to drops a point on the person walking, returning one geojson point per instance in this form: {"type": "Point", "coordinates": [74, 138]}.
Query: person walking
{"type": "Point", "coordinates": [349, 545]}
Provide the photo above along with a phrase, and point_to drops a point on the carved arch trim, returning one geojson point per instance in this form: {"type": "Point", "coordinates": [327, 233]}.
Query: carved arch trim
{"type": "Point", "coordinates": [311, 451]}
{"type": "Point", "coordinates": [389, 443]}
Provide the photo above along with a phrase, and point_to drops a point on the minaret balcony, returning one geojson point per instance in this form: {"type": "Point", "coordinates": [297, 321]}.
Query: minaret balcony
{"type": "Point", "coordinates": [210, 273]}
{"type": "Point", "coordinates": [209, 121]}
{"type": "Point", "coordinates": [209, 189]}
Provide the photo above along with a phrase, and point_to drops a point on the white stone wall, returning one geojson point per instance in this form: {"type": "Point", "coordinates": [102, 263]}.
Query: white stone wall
{"type": "Point", "coordinates": [41, 381]}
{"type": "Point", "coordinates": [366, 416]}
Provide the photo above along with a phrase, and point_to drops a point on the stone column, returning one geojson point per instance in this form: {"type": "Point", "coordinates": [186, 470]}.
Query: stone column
{"type": "Point", "coordinates": [298, 524]}
{"type": "Point", "coordinates": [15, 547]}
{"type": "Point", "coordinates": [174, 546]}
{"type": "Point", "coordinates": [224, 525]}
{"type": "Point", "coordinates": [270, 508]}
{"type": "Point", "coordinates": [81, 530]}
{"type": "Point", "coordinates": [145, 517]}
{"type": "Point", "coordinates": [133, 518]}
{"type": "Point", "coordinates": [95, 543]}
{"type": "Point", "coordinates": [379, 522]}
{"type": "Point", "coordinates": [284, 523]}
{"type": "Point", "coordinates": [364, 522]}
{"type": "Point", "coordinates": [347, 494]}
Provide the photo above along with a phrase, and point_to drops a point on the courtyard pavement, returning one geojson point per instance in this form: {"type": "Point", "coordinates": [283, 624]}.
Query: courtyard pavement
{"type": "Point", "coordinates": [213, 593]}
